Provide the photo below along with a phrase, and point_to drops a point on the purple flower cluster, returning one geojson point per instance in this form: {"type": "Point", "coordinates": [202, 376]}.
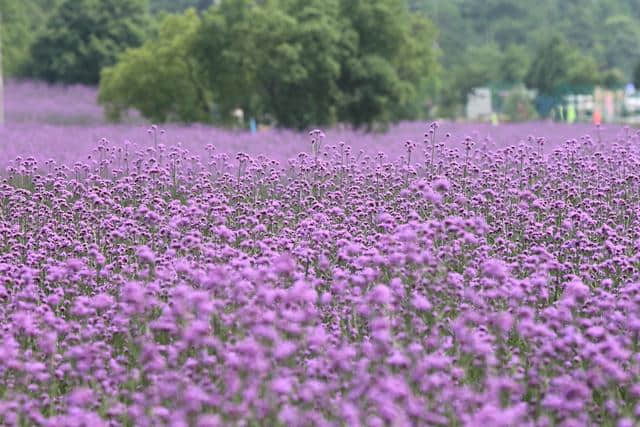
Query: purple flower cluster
{"type": "Point", "coordinates": [458, 284]}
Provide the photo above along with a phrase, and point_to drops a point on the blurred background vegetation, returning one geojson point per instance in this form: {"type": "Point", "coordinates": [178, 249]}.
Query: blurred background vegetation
{"type": "Point", "coordinates": [297, 63]}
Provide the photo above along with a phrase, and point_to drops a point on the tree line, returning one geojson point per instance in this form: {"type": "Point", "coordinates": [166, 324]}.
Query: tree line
{"type": "Point", "coordinates": [581, 42]}
{"type": "Point", "coordinates": [294, 62]}
{"type": "Point", "coordinates": [298, 63]}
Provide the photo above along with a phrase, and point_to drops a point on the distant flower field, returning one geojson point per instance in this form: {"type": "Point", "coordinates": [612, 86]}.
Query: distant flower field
{"type": "Point", "coordinates": [286, 279]}
{"type": "Point", "coordinates": [64, 123]}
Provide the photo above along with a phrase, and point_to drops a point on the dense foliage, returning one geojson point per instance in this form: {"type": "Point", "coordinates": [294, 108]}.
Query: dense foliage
{"type": "Point", "coordinates": [556, 65]}
{"type": "Point", "coordinates": [557, 70]}
{"type": "Point", "coordinates": [457, 283]}
{"type": "Point", "coordinates": [295, 62]}
{"type": "Point", "coordinates": [178, 6]}
{"type": "Point", "coordinates": [493, 42]}
{"type": "Point", "coordinates": [164, 63]}
{"type": "Point", "coordinates": [283, 58]}
{"type": "Point", "coordinates": [602, 34]}
{"type": "Point", "coordinates": [20, 24]}
{"type": "Point", "coordinates": [83, 36]}
{"type": "Point", "coordinates": [607, 30]}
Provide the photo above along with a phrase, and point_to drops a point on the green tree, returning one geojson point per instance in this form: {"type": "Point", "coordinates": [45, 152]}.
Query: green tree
{"type": "Point", "coordinates": [558, 69]}
{"type": "Point", "coordinates": [558, 64]}
{"type": "Point", "coordinates": [390, 61]}
{"type": "Point", "coordinates": [315, 62]}
{"type": "Point", "coordinates": [583, 72]}
{"type": "Point", "coordinates": [502, 22]}
{"type": "Point", "coordinates": [83, 36]}
{"type": "Point", "coordinates": [225, 46]}
{"type": "Point", "coordinates": [282, 59]}
{"type": "Point", "coordinates": [447, 15]}
{"type": "Point", "coordinates": [636, 76]}
{"type": "Point", "coordinates": [605, 30]}
{"type": "Point", "coordinates": [178, 6]}
{"type": "Point", "coordinates": [483, 67]}
{"type": "Point", "coordinates": [549, 67]}
{"type": "Point", "coordinates": [161, 79]}
{"type": "Point", "coordinates": [612, 78]}
{"type": "Point", "coordinates": [20, 22]}
{"type": "Point", "coordinates": [578, 22]}
{"type": "Point", "coordinates": [14, 32]}
{"type": "Point", "coordinates": [620, 39]}
{"type": "Point", "coordinates": [514, 65]}
{"type": "Point", "coordinates": [299, 62]}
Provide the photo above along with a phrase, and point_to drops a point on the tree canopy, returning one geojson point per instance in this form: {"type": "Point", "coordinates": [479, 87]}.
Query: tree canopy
{"type": "Point", "coordinates": [557, 64]}
{"type": "Point", "coordinates": [603, 36]}
{"type": "Point", "coordinates": [607, 30]}
{"type": "Point", "coordinates": [178, 6]}
{"type": "Point", "coordinates": [83, 36]}
{"type": "Point", "coordinates": [160, 79]}
{"type": "Point", "coordinates": [298, 62]}
{"type": "Point", "coordinates": [20, 22]}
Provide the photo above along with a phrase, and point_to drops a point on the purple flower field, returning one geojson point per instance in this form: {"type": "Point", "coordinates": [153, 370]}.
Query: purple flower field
{"type": "Point", "coordinates": [490, 279]}
{"type": "Point", "coordinates": [30, 102]}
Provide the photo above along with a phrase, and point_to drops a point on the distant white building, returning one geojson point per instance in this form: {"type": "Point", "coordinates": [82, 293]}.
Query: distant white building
{"type": "Point", "coordinates": [479, 104]}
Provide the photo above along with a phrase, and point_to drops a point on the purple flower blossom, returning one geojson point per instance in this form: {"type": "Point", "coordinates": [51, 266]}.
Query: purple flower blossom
{"type": "Point", "coordinates": [491, 283]}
